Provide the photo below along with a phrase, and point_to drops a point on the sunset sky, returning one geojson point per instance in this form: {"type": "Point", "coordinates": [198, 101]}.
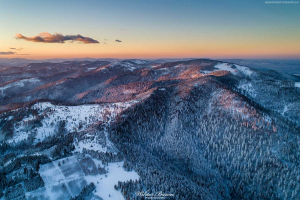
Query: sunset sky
{"type": "Point", "coordinates": [149, 29]}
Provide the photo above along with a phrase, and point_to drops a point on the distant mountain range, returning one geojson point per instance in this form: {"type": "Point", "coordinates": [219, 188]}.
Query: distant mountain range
{"type": "Point", "coordinates": [285, 66]}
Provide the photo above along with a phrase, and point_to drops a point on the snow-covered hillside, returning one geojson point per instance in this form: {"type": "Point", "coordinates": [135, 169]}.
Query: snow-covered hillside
{"type": "Point", "coordinates": [232, 68]}
{"type": "Point", "coordinates": [192, 128]}
{"type": "Point", "coordinates": [19, 84]}
{"type": "Point", "coordinates": [76, 118]}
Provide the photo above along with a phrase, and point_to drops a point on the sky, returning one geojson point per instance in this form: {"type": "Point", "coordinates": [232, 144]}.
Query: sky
{"type": "Point", "coordinates": [249, 29]}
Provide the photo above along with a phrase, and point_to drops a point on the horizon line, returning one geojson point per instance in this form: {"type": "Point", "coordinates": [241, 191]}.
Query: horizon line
{"type": "Point", "coordinates": [151, 58]}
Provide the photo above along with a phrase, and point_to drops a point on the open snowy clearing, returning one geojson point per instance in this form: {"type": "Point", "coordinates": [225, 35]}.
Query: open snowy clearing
{"type": "Point", "coordinates": [65, 178]}
{"type": "Point", "coordinates": [105, 185]}
{"type": "Point", "coordinates": [232, 68]}
{"type": "Point", "coordinates": [77, 118]}
{"type": "Point", "coordinates": [89, 145]}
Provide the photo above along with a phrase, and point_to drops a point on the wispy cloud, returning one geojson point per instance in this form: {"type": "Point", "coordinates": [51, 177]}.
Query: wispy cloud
{"type": "Point", "coordinates": [118, 40]}
{"type": "Point", "coordinates": [19, 49]}
{"type": "Point", "coordinates": [7, 53]}
{"type": "Point", "coordinates": [56, 38]}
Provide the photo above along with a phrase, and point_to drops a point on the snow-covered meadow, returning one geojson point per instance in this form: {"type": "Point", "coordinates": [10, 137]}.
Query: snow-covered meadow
{"type": "Point", "coordinates": [105, 183]}
{"type": "Point", "coordinates": [232, 68]}
{"type": "Point", "coordinates": [65, 178]}
{"type": "Point", "coordinates": [77, 118]}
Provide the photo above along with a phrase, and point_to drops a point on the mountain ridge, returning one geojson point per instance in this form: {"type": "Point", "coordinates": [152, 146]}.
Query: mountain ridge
{"type": "Point", "coordinates": [198, 129]}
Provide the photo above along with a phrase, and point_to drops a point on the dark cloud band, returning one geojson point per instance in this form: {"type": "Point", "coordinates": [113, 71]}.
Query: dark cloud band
{"type": "Point", "coordinates": [118, 40]}
{"type": "Point", "coordinates": [56, 38]}
{"type": "Point", "coordinates": [7, 53]}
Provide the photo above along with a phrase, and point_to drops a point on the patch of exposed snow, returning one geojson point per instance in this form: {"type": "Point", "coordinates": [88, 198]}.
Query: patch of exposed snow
{"type": "Point", "coordinates": [105, 187]}
{"type": "Point", "coordinates": [89, 145]}
{"type": "Point", "coordinates": [139, 62]}
{"type": "Point", "coordinates": [205, 71]}
{"type": "Point", "coordinates": [131, 68]}
{"type": "Point", "coordinates": [68, 172]}
{"type": "Point", "coordinates": [244, 70]}
{"type": "Point", "coordinates": [229, 67]}
{"type": "Point", "coordinates": [268, 118]}
{"type": "Point", "coordinates": [225, 67]}
{"type": "Point", "coordinates": [76, 118]}
{"type": "Point", "coordinates": [163, 68]}
{"type": "Point", "coordinates": [248, 87]}
{"type": "Point", "coordinates": [63, 179]}
{"type": "Point", "coordinates": [125, 64]}
{"type": "Point", "coordinates": [286, 109]}
{"type": "Point", "coordinates": [96, 161]}
{"type": "Point", "coordinates": [100, 69]}
{"type": "Point", "coordinates": [19, 135]}
{"type": "Point", "coordinates": [91, 68]}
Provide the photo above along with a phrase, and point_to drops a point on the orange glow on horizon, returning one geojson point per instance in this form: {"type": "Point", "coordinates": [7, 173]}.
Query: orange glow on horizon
{"type": "Point", "coordinates": [214, 49]}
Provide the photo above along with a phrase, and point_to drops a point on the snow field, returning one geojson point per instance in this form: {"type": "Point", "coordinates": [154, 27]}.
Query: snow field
{"type": "Point", "coordinates": [105, 185]}
{"type": "Point", "coordinates": [225, 67]}
{"type": "Point", "coordinates": [89, 145]}
{"type": "Point", "coordinates": [228, 67]}
{"type": "Point", "coordinates": [76, 118]}
{"type": "Point", "coordinates": [64, 178]}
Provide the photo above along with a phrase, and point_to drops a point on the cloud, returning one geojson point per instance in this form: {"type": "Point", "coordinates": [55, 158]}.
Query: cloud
{"type": "Point", "coordinates": [118, 40]}
{"type": "Point", "coordinates": [26, 54]}
{"type": "Point", "coordinates": [56, 38]}
{"type": "Point", "coordinates": [16, 49]}
{"type": "Point", "coordinates": [7, 53]}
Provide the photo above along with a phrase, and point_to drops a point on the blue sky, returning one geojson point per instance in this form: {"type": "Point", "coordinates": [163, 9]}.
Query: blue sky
{"type": "Point", "coordinates": [154, 28]}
